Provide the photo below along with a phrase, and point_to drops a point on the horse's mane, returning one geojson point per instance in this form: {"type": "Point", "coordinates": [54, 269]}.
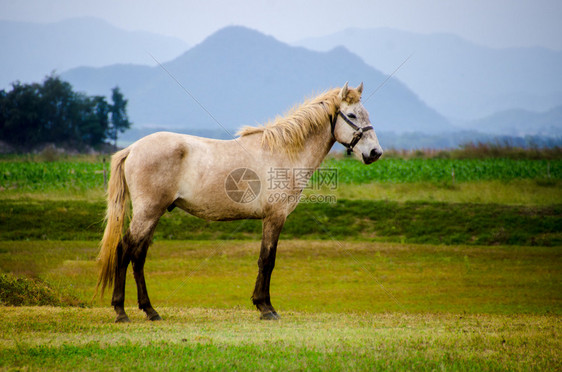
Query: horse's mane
{"type": "Point", "coordinates": [289, 133]}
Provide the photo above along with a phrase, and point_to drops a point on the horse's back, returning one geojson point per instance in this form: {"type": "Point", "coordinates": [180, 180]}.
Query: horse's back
{"type": "Point", "coordinates": [189, 172]}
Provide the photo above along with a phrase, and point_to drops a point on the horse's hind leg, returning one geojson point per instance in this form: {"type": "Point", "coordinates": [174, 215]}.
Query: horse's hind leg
{"type": "Point", "coordinates": [142, 229]}
{"type": "Point", "coordinates": [133, 248]}
{"type": "Point", "coordinates": [270, 235]}
{"type": "Point", "coordinates": [118, 299]}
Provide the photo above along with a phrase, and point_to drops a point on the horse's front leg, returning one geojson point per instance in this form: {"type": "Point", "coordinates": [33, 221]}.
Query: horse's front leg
{"type": "Point", "coordinates": [271, 229]}
{"type": "Point", "coordinates": [142, 293]}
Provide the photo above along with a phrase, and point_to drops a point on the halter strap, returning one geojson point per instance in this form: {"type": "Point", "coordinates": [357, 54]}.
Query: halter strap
{"type": "Point", "coordinates": [357, 134]}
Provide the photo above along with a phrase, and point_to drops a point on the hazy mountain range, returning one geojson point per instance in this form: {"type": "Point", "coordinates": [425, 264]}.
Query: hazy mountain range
{"type": "Point", "coordinates": [460, 79]}
{"type": "Point", "coordinates": [519, 122]}
{"type": "Point", "coordinates": [241, 76]}
{"type": "Point", "coordinates": [244, 77]}
{"type": "Point", "coordinates": [32, 50]}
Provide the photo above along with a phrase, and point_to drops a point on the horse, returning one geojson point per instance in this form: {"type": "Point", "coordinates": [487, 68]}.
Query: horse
{"type": "Point", "coordinates": [222, 180]}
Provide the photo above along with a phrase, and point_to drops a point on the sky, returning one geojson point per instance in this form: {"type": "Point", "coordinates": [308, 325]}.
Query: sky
{"type": "Point", "coordinates": [494, 23]}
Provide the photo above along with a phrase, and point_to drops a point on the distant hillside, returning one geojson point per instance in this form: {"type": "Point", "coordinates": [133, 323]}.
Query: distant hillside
{"type": "Point", "coordinates": [32, 50]}
{"type": "Point", "coordinates": [244, 77]}
{"type": "Point", "coordinates": [521, 122]}
{"type": "Point", "coordinates": [459, 79]}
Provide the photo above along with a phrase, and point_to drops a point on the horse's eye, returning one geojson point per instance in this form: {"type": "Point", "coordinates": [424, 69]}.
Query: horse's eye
{"type": "Point", "coordinates": [352, 116]}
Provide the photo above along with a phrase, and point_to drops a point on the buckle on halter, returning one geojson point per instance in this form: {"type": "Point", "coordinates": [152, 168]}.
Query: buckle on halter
{"type": "Point", "coordinates": [357, 134]}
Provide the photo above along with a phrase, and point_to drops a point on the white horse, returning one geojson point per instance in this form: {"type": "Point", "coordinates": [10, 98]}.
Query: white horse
{"type": "Point", "coordinates": [224, 180]}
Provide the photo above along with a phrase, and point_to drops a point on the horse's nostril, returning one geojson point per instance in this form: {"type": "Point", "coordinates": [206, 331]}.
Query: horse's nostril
{"type": "Point", "coordinates": [375, 154]}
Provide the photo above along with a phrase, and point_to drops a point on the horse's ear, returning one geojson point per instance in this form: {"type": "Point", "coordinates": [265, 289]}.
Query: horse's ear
{"type": "Point", "coordinates": [360, 88]}
{"type": "Point", "coordinates": [343, 92]}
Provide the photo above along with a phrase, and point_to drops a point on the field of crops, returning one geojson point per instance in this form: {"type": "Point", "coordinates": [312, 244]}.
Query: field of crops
{"type": "Point", "coordinates": [441, 170]}
{"type": "Point", "coordinates": [39, 176]}
{"type": "Point", "coordinates": [81, 175]}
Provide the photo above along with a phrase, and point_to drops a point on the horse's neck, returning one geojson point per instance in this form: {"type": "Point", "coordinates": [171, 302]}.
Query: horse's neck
{"type": "Point", "coordinates": [315, 149]}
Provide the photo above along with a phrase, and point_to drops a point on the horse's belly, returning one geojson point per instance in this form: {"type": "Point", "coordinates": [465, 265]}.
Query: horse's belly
{"type": "Point", "coordinates": [220, 210]}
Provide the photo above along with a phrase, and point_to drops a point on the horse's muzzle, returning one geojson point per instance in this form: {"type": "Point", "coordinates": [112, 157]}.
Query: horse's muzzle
{"type": "Point", "coordinates": [373, 156]}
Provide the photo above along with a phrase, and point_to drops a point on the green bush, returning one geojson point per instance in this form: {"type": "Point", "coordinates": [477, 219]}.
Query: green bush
{"type": "Point", "coordinates": [24, 291]}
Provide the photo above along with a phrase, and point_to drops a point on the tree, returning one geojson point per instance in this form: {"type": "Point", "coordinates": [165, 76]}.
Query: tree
{"type": "Point", "coordinates": [60, 110]}
{"type": "Point", "coordinates": [35, 114]}
{"type": "Point", "coordinates": [119, 120]}
{"type": "Point", "coordinates": [95, 120]}
{"type": "Point", "coordinates": [20, 117]}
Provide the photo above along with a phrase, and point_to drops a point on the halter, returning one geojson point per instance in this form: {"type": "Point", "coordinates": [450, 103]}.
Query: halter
{"type": "Point", "coordinates": [357, 135]}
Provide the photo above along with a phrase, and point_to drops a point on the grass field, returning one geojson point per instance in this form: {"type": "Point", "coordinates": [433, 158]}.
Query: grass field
{"type": "Point", "coordinates": [209, 339]}
{"type": "Point", "coordinates": [366, 220]}
{"type": "Point", "coordinates": [347, 306]}
{"type": "Point", "coordinates": [412, 272]}
{"type": "Point", "coordinates": [326, 276]}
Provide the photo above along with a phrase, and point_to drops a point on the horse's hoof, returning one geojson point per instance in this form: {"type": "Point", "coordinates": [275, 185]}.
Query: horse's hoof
{"type": "Point", "coordinates": [272, 315]}
{"type": "Point", "coordinates": [154, 317]}
{"type": "Point", "coordinates": [122, 318]}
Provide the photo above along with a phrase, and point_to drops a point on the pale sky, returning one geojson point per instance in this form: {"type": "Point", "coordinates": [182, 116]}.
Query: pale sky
{"type": "Point", "coordinates": [496, 23]}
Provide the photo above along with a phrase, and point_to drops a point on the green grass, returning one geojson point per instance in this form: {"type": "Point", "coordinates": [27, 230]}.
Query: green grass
{"type": "Point", "coordinates": [344, 306]}
{"type": "Point", "coordinates": [540, 192]}
{"type": "Point", "coordinates": [356, 292]}
{"type": "Point", "coordinates": [202, 339]}
{"type": "Point", "coordinates": [316, 276]}
{"type": "Point", "coordinates": [514, 192]}
{"type": "Point", "coordinates": [409, 222]}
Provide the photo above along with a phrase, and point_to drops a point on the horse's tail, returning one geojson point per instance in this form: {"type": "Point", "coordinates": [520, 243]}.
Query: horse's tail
{"type": "Point", "coordinates": [117, 205]}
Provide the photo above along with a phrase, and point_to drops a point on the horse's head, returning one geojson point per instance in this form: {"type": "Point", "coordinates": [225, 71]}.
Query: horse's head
{"type": "Point", "coordinates": [352, 128]}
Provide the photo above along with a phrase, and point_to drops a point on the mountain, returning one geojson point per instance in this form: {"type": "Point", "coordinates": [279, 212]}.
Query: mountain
{"type": "Point", "coordinates": [459, 79]}
{"type": "Point", "coordinates": [518, 122]}
{"type": "Point", "coordinates": [244, 77]}
{"type": "Point", "coordinates": [32, 50]}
